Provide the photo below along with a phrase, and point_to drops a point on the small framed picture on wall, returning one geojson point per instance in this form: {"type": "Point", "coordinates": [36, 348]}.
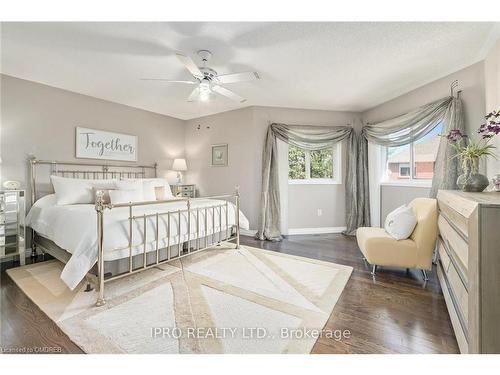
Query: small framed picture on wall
{"type": "Point", "coordinates": [219, 155]}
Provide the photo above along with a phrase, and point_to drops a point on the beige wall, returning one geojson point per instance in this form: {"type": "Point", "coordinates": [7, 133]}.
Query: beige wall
{"type": "Point", "coordinates": [41, 120]}
{"type": "Point", "coordinates": [492, 89]}
{"type": "Point", "coordinates": [392, 197]}
{"type": "Point", "coordinates": [236, 128]}
{"type": "Point", "coordinates": [245, 130]}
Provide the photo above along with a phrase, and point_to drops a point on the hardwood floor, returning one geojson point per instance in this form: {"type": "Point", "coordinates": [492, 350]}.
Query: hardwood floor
{"type": "Point", "coordinates": [395, 312]}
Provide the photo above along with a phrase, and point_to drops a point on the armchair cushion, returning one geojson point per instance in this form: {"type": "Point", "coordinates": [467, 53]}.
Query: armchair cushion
{"type": "Point", "coordinates": [381, 249]}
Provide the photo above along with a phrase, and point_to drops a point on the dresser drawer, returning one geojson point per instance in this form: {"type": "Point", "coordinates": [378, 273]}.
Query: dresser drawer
{"type": "Point", "coordinates": [460, 222]}
{"type": "Point", "coordinates": [454, 242]}
{"type": "Point", "coordinates": [458, 291]}
{"type": "Point", "coordinates": [184, 190]}
{"type": "Point", "coordinates": [458, 328]}
{"type": "Point", "coordinates": [443, 255]}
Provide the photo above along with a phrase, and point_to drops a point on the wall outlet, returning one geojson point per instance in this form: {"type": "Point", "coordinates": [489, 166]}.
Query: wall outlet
{"type": "Point", "coordinates": [320, 212]}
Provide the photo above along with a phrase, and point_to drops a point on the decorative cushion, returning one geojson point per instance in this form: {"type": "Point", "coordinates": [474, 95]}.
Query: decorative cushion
{"type": "Point", "coordinates": [149, 185]}
{"type": "Point", "coordinates": [160, 193]}
{"type": "Point", "coordinates": [125, 196]}
{"type": "Point", "coordinates": [400, 223]}
{"type": "Point", "coordinates": [130, 184]}
{"type": "Point", "coordinates": [76, 190]}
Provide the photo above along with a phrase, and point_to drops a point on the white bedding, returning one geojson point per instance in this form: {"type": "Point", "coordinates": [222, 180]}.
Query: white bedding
{"type": "Point", "coordinates": [74, 228]}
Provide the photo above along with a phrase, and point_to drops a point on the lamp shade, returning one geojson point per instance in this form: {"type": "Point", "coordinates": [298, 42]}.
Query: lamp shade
{"type": "Point", "coordinates": [179, 165]}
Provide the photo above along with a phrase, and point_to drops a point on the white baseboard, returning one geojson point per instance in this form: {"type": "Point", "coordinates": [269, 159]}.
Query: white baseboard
{"type": "Point", "coordinates": [296, 231]}
{"type": "Point", "coordinates": [323, 230]}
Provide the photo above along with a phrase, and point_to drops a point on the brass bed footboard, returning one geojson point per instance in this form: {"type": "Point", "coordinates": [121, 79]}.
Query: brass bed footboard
{"type": "Point", "coordinates": [193, 244]}
{"type": "Point", "coordinates": [185, 246]}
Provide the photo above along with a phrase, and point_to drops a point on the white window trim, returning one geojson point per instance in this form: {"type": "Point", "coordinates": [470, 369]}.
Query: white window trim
{"type": "Point", "coordinates": [337, 166]}
{"type": "Point", "coordinates": [410, 181]}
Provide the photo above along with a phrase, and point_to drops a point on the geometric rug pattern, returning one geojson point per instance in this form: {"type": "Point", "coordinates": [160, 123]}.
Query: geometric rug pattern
{"type": "Point", "coordinates": [220, 300]}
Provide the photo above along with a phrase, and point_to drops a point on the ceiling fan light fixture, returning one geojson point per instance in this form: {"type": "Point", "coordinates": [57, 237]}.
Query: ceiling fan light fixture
{"type": "Point", "coordinates": [208, 81]}
{"type": "Point", "coordinates": [205, 90]}
{"type": "Point", "coordinates": [204, 95]}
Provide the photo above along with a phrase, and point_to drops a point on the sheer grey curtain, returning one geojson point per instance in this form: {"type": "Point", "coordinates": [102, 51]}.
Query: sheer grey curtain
{"type": "Point", "coordinates": [357, 190]}
{"type": "Point", "coordinates": [306, 137]}
{"type": "Point", "coordinates": [398, 131]}
{"type": "Point", "coordinates": [414, 125]}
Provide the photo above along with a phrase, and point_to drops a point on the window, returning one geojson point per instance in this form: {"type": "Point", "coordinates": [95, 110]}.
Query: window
{"type": "Point", "coordinates": [415, 161]}
{"type": "Point", "coordinates": [404, 170]}
{"type": "Point", "coordinates": [314, 167]}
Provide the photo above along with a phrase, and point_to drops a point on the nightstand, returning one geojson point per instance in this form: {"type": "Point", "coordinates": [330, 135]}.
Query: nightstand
{"type": "Point", "coordinates": [12, 227]}
{"type": "Point", "coordinates": [184, 190]}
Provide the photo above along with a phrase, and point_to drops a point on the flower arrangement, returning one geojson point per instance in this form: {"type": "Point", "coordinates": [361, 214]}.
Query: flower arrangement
{"type": "Point", "coordinates": [469, 152]}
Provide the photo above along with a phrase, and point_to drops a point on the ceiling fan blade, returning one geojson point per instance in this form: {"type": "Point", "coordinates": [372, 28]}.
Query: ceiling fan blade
{"type": "Point", "coordinates": [238, 77]}
{"type": "Point", "coordinates": [195, 94]}
{"type": "Point", "coordinates": [168, 80]}
{"type": "Point", "coordinates": [190, 65]}
{"type": "Point", "coordinates": [228, 93]}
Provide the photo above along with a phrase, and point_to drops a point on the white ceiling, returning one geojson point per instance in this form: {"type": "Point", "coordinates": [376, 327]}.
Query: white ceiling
{"type": "Point", "coordinates": [333, 66]}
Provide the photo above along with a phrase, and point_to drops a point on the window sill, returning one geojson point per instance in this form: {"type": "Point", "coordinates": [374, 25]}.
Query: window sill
{"type": "Point", "coordinates": [410, 183]}
{"type": "Point", "coordinates": [315, 181]}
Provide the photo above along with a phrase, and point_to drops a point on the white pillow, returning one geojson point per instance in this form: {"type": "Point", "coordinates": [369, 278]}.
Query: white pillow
{"type": "Point", "coordinates": [77, 190]}
{"type": "Point", "coordinates": [131, 185]}
{"type": "Point", "coordinates": [400, 223]}
{"type": "Point", "coordinates": [149, 185]}
{"type": "Point", "coordinates": [125, 196]}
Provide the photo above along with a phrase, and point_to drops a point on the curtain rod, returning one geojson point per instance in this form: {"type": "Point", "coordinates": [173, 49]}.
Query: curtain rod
{"type": "Point", "coordinates": [454, 85]}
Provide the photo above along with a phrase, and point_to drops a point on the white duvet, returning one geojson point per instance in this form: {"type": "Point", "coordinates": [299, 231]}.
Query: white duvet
{"type": "Point", "coordinates": [74, 228]}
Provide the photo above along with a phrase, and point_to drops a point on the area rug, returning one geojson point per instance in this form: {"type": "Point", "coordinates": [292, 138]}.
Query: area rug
{"type": "Point", "coordinates": [220, 300]}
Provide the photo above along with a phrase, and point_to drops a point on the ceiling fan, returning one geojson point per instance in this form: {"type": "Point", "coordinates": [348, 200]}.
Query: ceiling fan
{"type": "Point", "coordinates": [207, 80]}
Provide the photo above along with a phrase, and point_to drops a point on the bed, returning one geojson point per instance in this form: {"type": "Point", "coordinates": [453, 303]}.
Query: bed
{"type": "Point", "coordinates": [104, 241]}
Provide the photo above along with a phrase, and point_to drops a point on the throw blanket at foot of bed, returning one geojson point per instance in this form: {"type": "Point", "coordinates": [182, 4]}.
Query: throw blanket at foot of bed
{"type": "Point", "coordinates": [220, 300]}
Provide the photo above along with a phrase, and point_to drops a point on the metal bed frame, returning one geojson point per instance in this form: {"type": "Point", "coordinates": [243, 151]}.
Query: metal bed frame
{"type": "Point", "coordinates": [192, 245]}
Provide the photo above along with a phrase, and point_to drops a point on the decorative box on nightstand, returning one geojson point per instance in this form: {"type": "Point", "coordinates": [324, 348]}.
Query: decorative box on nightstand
{"type": "Point", "coordinates": [12, 229]}
{"type": "Point", "coordinates": [184, 190]}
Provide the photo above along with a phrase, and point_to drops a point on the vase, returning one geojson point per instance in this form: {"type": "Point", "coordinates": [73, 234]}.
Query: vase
{"type": "Point", "coordinates": [471, 180]}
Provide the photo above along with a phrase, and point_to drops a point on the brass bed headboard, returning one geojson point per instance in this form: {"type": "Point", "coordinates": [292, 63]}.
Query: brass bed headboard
{"type": "Point", "coordinates": [88, 170]}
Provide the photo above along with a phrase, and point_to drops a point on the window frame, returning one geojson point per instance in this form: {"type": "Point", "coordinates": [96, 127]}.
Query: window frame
{"type": "Point", "coordinates": [405, 165]}
{"type": "Point", "coordinates": [336, 165]}
{"type": "Point", "coordinates": [411, 180]}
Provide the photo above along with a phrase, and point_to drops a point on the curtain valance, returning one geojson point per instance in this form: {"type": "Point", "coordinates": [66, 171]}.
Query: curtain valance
{"type": "Point", "coordinates": [310, 137]}
{"type": "Point", "coordinates": [409, 127]}
{"type": "Point", "coordinates": [413, 125]}
{"type": "Point", "coordinates": [306, 137]}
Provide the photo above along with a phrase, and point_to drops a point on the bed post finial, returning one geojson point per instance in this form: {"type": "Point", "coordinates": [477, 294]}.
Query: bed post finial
{"type": "Point", "coordinates": [237, 214]}
{"type": "Point", "coordinates": [99, 207]}
{"type": "Point", "coordinates": [32, 162]}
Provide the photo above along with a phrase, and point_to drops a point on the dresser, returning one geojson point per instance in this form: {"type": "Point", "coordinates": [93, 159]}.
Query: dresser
{"type": "Point", "coordinates": [469, 267]}
{"type": "Point", "coordinates": [12, 227]}
{"type": "Point", "coordinates": [184, 190]}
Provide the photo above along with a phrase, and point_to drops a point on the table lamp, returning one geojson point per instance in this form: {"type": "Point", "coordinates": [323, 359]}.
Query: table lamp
{"type": "Point", "coordinates": [179, 166]}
